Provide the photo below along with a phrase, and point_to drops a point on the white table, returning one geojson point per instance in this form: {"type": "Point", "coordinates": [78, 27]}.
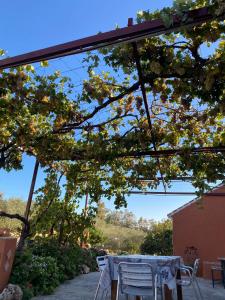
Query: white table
{"type": "Point", "coordinates": [165, 266]}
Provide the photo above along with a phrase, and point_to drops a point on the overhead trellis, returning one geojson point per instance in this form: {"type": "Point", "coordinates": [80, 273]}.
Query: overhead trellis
{"type": "Point", "coordinates": [155, 108]}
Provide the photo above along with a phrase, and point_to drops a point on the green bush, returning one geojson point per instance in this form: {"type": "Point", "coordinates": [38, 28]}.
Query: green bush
{"type": "Point", "coordinates": [35, 274]}
{"type": "Point", "coordinates": [89, 258]}
{"type": "Point", "coordinates": [96, 237]}
{"type": "Point", "coordinates": [21, 273]}
{"type": "Point", "coordinates": [44, 274]}
{"type": "Point", "coordinates": [44, 264]}
{"type": "Point", "coordinates": [69, 258]}
{"type": "Point", "coordinates": [28, 292]}
{"type": "Point", "coordinates": [158, 240]}
{"type": "Point", "coordinates": [70, 261]}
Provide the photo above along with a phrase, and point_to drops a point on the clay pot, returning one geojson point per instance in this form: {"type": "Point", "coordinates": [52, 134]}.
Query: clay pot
{"type": "Point", "coordinates": [7, 253]}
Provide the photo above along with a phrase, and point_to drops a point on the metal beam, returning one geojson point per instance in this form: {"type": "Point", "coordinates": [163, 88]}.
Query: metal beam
{"type": "Point", "coordinates": [175, 193]}
{"type": "Point", "coordinates": [31, 192]}
{"type": "Point", "coordinates": [159, 153]}
{"type": "Point", "coordinates": [173, 152]}
{"type": "Point", "coordinates": [144, 95]}
{"type": "Point", "coordinates": [162, 193]}
{"type": "Point", "coordinates": [179, 178]}
{"type": "Point", "coordinates": [126, 34]}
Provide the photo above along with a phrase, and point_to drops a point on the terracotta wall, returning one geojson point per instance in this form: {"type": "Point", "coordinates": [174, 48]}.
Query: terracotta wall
{"type": "Point", "coordinates": [202, 228]}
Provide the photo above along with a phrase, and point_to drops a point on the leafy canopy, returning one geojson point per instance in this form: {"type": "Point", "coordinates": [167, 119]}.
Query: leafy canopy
{"type": "Point", "coordinates": [40, 116]}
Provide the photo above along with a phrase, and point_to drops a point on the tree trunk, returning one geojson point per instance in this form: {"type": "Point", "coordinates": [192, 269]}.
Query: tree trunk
{"type": "Point", "coordinates": [85, 236]}
{"type": "Point", "coordinates": [26, 228]}
{"type": "Point", "coordinates": [61, 231]}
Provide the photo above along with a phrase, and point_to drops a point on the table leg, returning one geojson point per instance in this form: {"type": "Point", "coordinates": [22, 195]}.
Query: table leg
{"type": "Point", "coordinates": [168, 293]}
{"type": "Point", "coordinates": [113, 289]}
{"type": "Point", "coordinates": [179, 287]}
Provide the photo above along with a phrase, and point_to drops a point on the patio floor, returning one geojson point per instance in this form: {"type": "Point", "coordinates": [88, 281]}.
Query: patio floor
{"type": "Point", "coordinates": [83, 288]}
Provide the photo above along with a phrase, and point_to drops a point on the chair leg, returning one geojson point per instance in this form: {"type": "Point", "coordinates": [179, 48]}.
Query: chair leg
{"type": "Point", "coordinates": [162, 292]}
{"type": "Point", "coordinates": [195, 290]}
{"type": "Point", "coordinates": [104, 295]}
{"type": "Point", "coordinates": [213, 283]}
{"type": "Point", "coordinates": [198, 288]}
{"type": "Point", "coordinates": [96, 293]}
{"type": "Point", "coordinates": [174, 294]}
{"type": "Point", "coordinates": [117, 290]}
{"type": "Point", "coordinates": [223, 277]}
{"type": "Point", "coordinates": [155, 291]}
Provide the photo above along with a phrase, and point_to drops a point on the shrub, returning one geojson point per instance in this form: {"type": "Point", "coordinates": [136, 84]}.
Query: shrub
{"type": "Point", "coordinates": [20, 273]}
{"type": "Point", "coordinates": [44, 274]}
{"type": "Point", "coordinates": [69, 258]}
{"type": "Point", "coordinates": [96, 237]}
{"type": "Point", "coordinates": [44, 264]}
{"type": "Point", "coordinates": [89, 258]}
{"type": "Point", "coordinates": [159, 240]}
{"type": "Point", "coordinates": [35, 274]}
{"type": "Point", "coordinates": [70, 261]}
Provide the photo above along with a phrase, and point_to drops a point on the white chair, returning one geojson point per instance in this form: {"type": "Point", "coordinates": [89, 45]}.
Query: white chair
{"type": "Point", "coordinates": [191, 279]}
{"type": "Point", "coordinates": [102, 261]}
{"type": "Point", "coordinates": [136, 279]}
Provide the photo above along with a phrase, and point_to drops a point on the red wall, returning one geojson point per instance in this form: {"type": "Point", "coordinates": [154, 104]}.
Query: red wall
{"type": "Point", "coordinates": [203, 228]}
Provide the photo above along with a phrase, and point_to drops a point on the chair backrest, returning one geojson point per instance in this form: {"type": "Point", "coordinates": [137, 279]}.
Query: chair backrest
{"type": "Point", "coordinates": [196, 266]}
{"type": "Point", "coordinates": [182, 261]}
{"type": "Point", "coordinates": [135, 275]}
{"type": "Point", "coordinates": [102, 261]}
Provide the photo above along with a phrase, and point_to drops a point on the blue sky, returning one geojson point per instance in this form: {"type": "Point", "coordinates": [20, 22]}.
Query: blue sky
{"type": "Point", "coordinates": [27, 25]}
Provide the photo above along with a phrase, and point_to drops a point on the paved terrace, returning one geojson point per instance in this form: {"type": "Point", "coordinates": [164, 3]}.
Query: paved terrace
{"type": "Point", "coordinates": [83, 288]}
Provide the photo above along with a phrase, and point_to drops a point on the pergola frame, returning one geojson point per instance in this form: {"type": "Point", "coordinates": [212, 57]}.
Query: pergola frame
{"type": "Point", "coordinates": [175, 193]}
{"type": "Point", "coordinates": [132, 33]}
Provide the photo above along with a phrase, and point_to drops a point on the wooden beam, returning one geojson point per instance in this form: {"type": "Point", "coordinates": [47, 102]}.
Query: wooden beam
{"type": "Point", "coordinates": [126, 34]}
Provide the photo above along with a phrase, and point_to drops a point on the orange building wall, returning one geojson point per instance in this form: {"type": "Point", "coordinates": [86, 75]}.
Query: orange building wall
{"type": "Point", "coordinates": [203, 228]}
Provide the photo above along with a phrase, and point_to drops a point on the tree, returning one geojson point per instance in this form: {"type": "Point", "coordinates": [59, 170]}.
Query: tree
{"type": "Point", "coordinates": [159, 239]}
{"type": "Point", "coordinates": [129, 219]}
{"type": "Point", "coordinates": [56, 215]}
{"type": "Point", "coordinates": [12, 206]}
{"type": "Point", "coordinates": [124, 218]}
{"type": "Point", "coordinates": [145, 224]}
{"type": "Point", "coordinates": [180, 109]}
{"type": "Point", "coordinates": [101, 211]}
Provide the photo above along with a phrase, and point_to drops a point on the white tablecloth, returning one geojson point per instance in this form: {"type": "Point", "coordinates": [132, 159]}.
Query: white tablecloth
{"type": "Point", "coordinates": [164, 266]}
